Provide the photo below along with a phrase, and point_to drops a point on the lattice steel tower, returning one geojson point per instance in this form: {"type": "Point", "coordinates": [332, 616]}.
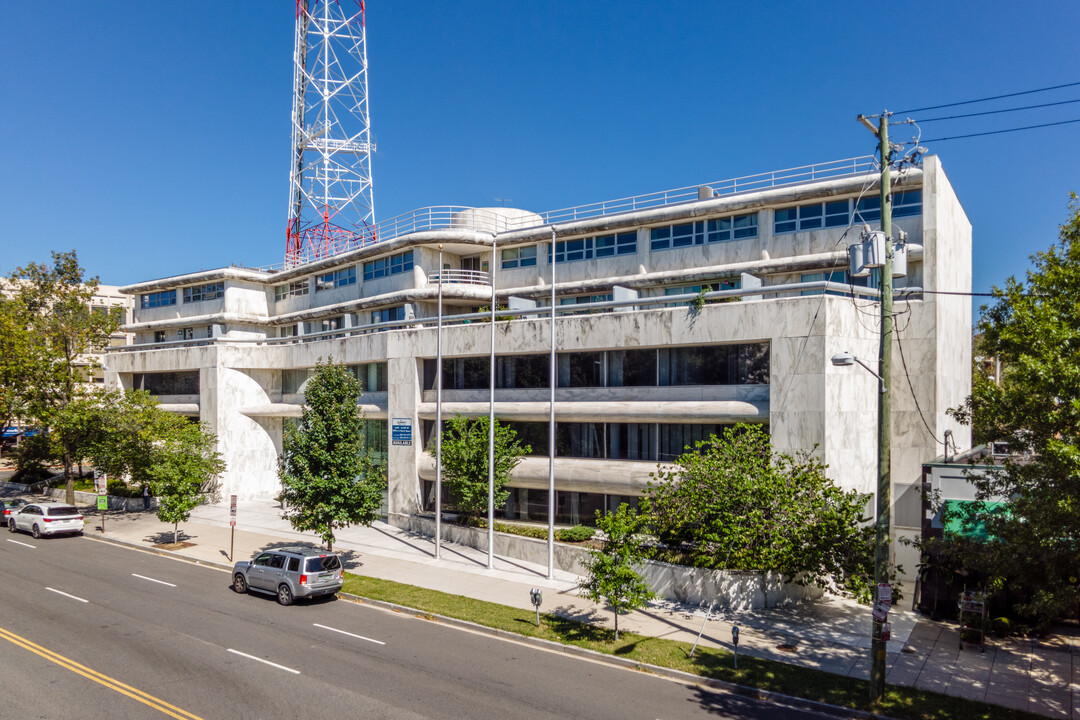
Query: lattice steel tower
{"type": "Point", "coordinates": [331, 209]}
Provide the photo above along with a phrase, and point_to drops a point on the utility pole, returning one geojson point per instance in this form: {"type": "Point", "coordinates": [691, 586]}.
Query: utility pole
{"type": "Point", "coordinates": [884, 487]}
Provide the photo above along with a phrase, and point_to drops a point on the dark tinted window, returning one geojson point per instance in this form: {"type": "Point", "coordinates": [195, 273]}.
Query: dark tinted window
{"type": "Point", "coordinates": [631, 368]}
{"type": "Point", "coordinates": [322, 564]}
{"type": "Point", "coordinates": [294, 564]}
{"type": "Point", "coordinates": [277, 561]}
{"type": "Point", "coordinates": [263, 560]}
{"type": "Point", "coordinates": [63, 512]}
{"type": "Point", "coordinates": [167, 383]}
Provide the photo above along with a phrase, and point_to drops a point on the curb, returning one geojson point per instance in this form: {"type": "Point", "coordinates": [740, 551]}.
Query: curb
{"type": "Point", "coordinates": [689, 678]}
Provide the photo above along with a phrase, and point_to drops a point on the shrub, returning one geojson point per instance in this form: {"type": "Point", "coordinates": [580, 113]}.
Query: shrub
{"type": "Point", "coordinates": [119, 488]}
{"type": "Point", "coordinates": [576, 534]}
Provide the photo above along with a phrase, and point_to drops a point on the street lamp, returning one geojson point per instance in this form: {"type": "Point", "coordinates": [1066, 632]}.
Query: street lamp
{"type": "Point", "coordinates": [846, 359]}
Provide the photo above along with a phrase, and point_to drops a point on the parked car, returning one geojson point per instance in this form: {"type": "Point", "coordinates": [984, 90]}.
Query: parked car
{"type": "Point", "coordinates": [7, 507]}
{"type": "Point", "coordinates": [46, 519]}
{"type": "Point", "coordinates": [290, 573]}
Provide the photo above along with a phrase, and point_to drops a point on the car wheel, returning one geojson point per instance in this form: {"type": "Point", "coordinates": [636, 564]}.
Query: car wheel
{"type": "Point", "coordinates": [35, 532]}
{"type": "Point", "coordinates": [11, 526]}
{"type": "Point", "coordinates": [284, 595]}
{"type": "Point", "coordinates": [239, 584]}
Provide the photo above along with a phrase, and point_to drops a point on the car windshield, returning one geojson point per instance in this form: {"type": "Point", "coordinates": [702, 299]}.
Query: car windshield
{"type": "Point", "coordinates": [321, 564]}
{"type": "Point", "coordinates": [63, 511]}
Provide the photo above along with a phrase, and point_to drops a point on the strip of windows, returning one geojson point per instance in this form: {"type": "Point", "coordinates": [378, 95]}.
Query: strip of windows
{"type": "Point", "coordinates": [387, 266]}
{"type": "Point", "coordinates": [198, 293]}
{"type": "Point", "coordinates": [158, 299]}
{"type": "Point", "coordinates": [185, 334]}
{"type": "Point", "coordinates": [519, 257]}
{"type": "Point", "coordinates": [372, 377]}
{"type": "Point", "coordinates": [336, 279]}
{"type": "Point", "coordinates": [594, 247]}
{"type": "Point", "coordinates": [842, 213]}
{"type": "Point", "coordinates": [696, 289]}
{"type": "Point", "coordinates": [736, 227]}
{"type": "Point", "coordinates": [293, 289]}
{"type": "Point", "coordinates": [730, 364]}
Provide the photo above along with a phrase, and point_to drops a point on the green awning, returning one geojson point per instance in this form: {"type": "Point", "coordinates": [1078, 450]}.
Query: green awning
{"type": "Point", "coordinates": [958, 523]}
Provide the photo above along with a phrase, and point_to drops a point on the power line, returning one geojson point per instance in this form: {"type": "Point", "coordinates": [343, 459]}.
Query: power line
{"type": "Point", "coordinates": [999, 132]}
{"type": "Point", "coordinates": [986, 99]}
{"type": "Point", "coordinates": [996, 112]}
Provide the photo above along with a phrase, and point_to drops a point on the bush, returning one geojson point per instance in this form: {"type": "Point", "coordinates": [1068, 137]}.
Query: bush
{"type": "Point", "coordinates": [576, 534]}
{"type": "Point", "coordinates": [118, 488]}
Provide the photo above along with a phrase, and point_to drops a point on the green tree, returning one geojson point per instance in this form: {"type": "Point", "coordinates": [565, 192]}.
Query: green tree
{"type": "Point", "coordinates": [465, 449]}
{"type": "Point", "coordinates": [16, 365]}
{"type": "Point", "coordinates": [184, 463]}
{"type": "Point", "coordinates": [50, 315]}
{"type": "Point", "coordinates": [613, 571]}
{"type": "Point", "coordinates": [737, 504]}
{"type": "Point", "coordinates": [329, 476]}
{"type": "Point", "coordinates": [1032, 328]}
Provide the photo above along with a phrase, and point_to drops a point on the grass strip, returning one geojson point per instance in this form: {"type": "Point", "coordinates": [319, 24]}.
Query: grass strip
{"type": "Point", "coordinates": [899, 702]}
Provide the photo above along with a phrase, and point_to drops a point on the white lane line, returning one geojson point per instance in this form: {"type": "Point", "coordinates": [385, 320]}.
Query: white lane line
{"type": "Point", "coordinates": [61, 592]}
{"type": "Point", "coordinates": [358, 637]}
{"type": "Point", "coordinates": [143, 577]}
{"type": "Point", "coordinates": [252, 657]}
{"type": "Point", "coordinates": [32, 547]}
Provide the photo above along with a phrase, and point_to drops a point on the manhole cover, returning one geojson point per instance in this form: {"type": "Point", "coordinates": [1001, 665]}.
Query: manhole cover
{"type": "Point", "coordinates": [787, 648]}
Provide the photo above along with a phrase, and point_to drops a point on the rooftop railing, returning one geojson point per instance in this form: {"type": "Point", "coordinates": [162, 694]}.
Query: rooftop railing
{"type": "Point", "coordinates": [445, 217]}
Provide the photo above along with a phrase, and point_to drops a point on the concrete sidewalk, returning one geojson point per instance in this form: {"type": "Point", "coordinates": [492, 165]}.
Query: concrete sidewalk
{"type": "Point", "coordinates": [831, 634]}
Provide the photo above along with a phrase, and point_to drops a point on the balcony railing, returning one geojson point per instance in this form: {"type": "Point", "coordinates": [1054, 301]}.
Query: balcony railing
{"type": "Point", "coordinates": [461, 277]}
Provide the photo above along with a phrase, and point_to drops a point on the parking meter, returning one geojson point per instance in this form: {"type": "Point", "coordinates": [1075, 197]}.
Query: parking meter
{"type": "Point", "coordinates": [735, 643]}
{"type": "Point", "coordinates": [536, 596]}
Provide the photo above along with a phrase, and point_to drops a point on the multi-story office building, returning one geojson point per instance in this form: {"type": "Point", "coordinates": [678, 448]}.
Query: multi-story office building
{"type": "Point", "coordinates": [645, 368]}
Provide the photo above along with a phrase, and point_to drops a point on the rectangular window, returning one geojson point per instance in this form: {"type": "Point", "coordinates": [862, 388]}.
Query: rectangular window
{"type": "Point", "coordinates": [372, 376]}
{"type": "Point", "coordinates": [158, 299]}
{"type": "Point", "coordinates": [745, 364]}
{"type": "Point", "coordinates": [519, 257]}
{"type": "Point", "coordinates": [905, 204]}
{"type": "Point", "coordinates": [631, 368]}
{"type": "Point", "coordinates": [159, 336]}
{"type": "Point", "coordinates": [385, 267]}
{"type": "Point", "coordinates": [185, 334]}
{"type": "Point", "coordinates": [391, 314]}
{"type": "Point", "coordinates": [287, 331]}
{"type": "Point", "coordinates": [594, 247]}
{"type": "Point", "coordinates": [167, 383]}
{"type": "Point", "coordinates": [198, 293]}
{"type": "Point", "coordinates": [736, 227]}
{"type": "Point", "coordinates": [288, 290]}
{"type": "Point", "coordinates": [336, 279]}
{"type": "Point", "coordinates": [785, 220]}
{"type": "Point", "coordinates": [695, 289]}
{"type": "Point", "coordinates": [838, 214]}
{"type": "Point", "coordinates": [581, 369]}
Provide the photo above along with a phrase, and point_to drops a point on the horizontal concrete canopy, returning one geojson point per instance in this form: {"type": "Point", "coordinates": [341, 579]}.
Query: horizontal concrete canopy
{"type": "Point", "coordinates": [180, 408]}
{"type": "Point", "coordinates": [722, 411]}
{"type": "Point", "coordinates": [293, 410]}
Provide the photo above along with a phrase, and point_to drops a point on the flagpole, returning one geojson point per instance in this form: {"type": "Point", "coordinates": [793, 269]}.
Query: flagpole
{"type": "Point", "coordinates": [438, 417]}
{"type": "Point", "coordinates": [491, 419]}
{"type": "Point", "coordinates": [552, 375]}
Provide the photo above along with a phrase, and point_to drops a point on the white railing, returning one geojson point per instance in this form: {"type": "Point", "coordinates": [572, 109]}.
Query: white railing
{"type": "Point", "coordinates": [446, 217]}
{"type": "Point", "coordinates": [463, 277]}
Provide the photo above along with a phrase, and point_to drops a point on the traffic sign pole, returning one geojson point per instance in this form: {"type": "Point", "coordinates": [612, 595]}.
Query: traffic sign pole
{"type": "Point", "coordinates": [232, 526]}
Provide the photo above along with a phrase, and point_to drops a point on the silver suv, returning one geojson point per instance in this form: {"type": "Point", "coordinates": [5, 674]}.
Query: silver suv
{"type": "Point", "coordinates": [290, 573]}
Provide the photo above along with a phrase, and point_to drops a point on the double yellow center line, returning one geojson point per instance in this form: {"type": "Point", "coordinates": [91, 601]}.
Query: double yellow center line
{"type": "Point", "coordinates": [101, 679]}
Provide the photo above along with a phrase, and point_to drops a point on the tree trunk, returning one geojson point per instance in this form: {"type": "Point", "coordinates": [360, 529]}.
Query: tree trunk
{"type": "Point", "coordinates": [69, 485]}
{"type": "Point", "coordinates": [175, 533]}
{"type": "Point", "coordinates": [616, 626]}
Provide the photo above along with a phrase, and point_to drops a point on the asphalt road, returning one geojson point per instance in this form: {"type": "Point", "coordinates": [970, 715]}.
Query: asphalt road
{"type": "Point", "coordinates": [92, 630]}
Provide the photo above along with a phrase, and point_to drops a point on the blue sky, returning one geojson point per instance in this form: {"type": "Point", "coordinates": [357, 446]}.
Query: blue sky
{"type": "Point", "coordinates": [153, 136]}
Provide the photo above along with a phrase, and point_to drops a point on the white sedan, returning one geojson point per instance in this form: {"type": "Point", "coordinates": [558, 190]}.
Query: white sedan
{"type": "Point", "coordinates": [46, 519]}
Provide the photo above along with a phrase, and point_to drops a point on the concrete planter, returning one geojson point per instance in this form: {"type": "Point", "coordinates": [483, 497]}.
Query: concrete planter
{"type": "Point", "coordinates": [730, 590]}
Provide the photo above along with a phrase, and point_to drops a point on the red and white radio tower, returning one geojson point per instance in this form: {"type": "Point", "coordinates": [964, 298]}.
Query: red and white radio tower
{"type": "Point", "coordinates": [331, 209]}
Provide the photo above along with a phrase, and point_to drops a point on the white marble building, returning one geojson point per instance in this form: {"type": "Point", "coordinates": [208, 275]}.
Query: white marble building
{"type": "Point", "coordinates": [641, 374]}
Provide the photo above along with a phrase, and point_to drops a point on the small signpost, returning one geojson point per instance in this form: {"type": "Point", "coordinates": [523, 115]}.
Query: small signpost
{"type": "Point", "coordinates": [101, 484]}
{"type": "Point", "coordinates": [401, 431]}
{"type": "Point", "coordinates": [232, 525]}
{"type": "Point", "coordinates": [735, 643]}
{"type": "Point", "coordinates": [536, 596]}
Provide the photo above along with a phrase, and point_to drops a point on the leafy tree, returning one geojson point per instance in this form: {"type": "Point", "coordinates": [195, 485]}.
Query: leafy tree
{"type": "Point", "coordinates": [329, 476]}
{"type": "Point", "coordinates": [736, 504]}
{"type": "Point", "coordinates": [184, 462]}
{"type": "Point", "coordinates": [612, 571]}
{"type": "Point", "coordinates": [465, 449]}
{"type": "Point", "coordinates": [49, 315]}
{"type": "Point", "coordinates": [1032, 328]}
{"type": "Point", "coordinates": [16, 365]}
